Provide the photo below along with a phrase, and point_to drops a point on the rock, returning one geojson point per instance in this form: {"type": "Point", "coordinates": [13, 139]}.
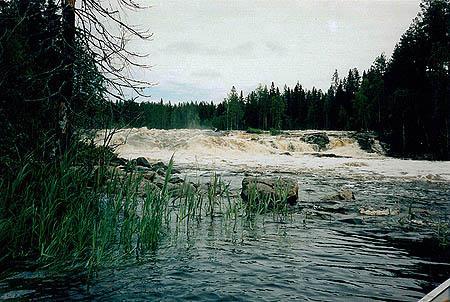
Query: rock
{"type": "Point", "coordinates": [159, 166]}
{"type": "Point", "coordinates": [150, 175]}
{"type": "Point", "coordinates": [343, 194]}
{"type": "Point", "coordinates": [286, 153]}
{"type": "Point", "coordinates": [320, 139]}
{"type": "Point", "coordinates": [142, 161]}
{"type": "Point", "coordinates": [176, 180]}
{"type": "Point", "coordinates": [383, 212]}
{"type": "Point", "coordinates": [175, 186]}
{"type": "Point", "coordinates": [346, 194]}
{"type": "Point", "coordinates": [118, 161]}
{"type": "Point", "coordinates": [368, 141]}
{"type": "Point", "coordinates": [270, 188]}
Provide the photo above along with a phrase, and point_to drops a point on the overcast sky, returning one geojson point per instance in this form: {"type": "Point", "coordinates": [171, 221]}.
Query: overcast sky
{"type": "Point", "coordinates": [203, 47]}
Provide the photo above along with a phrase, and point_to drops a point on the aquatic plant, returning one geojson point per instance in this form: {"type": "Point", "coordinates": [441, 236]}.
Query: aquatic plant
{"type": "Point", "coordinates": [75, 214]}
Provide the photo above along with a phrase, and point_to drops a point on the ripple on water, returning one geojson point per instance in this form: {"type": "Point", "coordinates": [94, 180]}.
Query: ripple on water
{"type": "Point", "coordinates": [305, 259]}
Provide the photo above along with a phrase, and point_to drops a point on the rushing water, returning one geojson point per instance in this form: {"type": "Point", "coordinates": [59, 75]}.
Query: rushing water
{"type": "Point", "coordinates": [323, 251]}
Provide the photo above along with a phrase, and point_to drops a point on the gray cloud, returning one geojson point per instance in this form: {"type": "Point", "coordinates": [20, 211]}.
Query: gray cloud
{"type": "Point", "coordinates": [194, 48]}
{"type": "Point", "coordinates": [207, 73]}
{"type": "Point", "coordinates": [275, 47]}
{"type": "Point", "coordinates": [213, 45]}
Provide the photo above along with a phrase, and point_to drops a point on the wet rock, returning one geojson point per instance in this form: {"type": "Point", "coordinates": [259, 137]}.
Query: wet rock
{"type": "Point", "coordinates": [119, 161]}
{"type": "Point", "coordinates": [176, 180]}
{"type": "Point", "coordinates": [141, 162]}
{"type": "Point", "coordinates": [381, 212]}
{"type": "Point", "coordinates": [175, 186]}
{"type": "Point", "coordinates": [286, 153]}
{"type": "Point", "coordinates": [150, 175]}
{"type": "Point", "coordinates": [343, 194]}
{"type": "Point", "coordinates": [346, 194]}
{"type": "Point", "coordinates": [368, 141]}
{"type": "Point", "coordinates": [272, 188]}
{"type": "Point", "coordinates": [159, 166]}
{"type": "Point", "coordinates": [320, 139]}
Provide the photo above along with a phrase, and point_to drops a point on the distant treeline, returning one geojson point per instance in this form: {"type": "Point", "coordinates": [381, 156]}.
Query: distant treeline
{"type": "Point", "coordinates": [404, 99]}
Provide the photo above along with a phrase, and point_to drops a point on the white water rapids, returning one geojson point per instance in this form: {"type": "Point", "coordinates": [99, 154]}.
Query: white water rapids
{"type": "Point", "coordinates": [288, 153]}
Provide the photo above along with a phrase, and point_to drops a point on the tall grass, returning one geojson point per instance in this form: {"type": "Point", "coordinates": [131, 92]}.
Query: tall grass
{"type": "Point", "coordinates": [71, 214]}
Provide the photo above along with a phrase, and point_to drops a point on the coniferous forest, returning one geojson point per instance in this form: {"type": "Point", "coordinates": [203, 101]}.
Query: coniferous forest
{"type": "Point", "coordinates": [405, 98]}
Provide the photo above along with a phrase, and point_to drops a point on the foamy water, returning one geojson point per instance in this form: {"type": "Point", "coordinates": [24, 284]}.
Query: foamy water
{"type": "Point", "coordinates": [289, 153]}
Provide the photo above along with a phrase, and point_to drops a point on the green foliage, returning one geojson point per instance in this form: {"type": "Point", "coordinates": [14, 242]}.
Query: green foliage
{"type": "Point", "coordinates": [274, 131]}
{"type": "Point", "coordinates": [254, 130]}
{"type": "Point", "coordinates": [33, 65]}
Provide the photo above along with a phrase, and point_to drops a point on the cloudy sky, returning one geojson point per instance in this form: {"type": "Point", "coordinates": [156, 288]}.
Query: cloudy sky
{"type": "Point", "coordinates": [203, 47]}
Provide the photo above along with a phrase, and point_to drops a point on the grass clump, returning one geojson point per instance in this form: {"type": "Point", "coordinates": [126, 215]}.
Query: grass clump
{"type": "Point", "coordinates": [274, 131]}
{"type": "Point", "coordinates": [82, 211]}
{"type": "Point", "coordinates": [254, 131]}
{"type": "Point", "coordinates": [71, 213]}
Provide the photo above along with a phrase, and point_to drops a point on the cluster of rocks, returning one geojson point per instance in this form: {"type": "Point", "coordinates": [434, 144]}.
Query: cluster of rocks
{"type": "Point", "coordinates": [319, 139]}
{"type": "Point", "coordinates": [368, 141]}
{"type": "Point", "coordinates": [283, 189]}
{"type": "Point", "coordinates": [256, 189]}
{"type": "Point", "coordinates": [153, 174]}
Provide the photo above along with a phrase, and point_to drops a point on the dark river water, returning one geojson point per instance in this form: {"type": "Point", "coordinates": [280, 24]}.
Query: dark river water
{"type": "Point", "coordinates": [322, 251]}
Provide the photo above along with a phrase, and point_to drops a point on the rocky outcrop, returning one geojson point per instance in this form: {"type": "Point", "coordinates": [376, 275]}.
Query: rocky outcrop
{"type": "Point", "coordinates": [368, 141]}
{"type": "Point", "coordinates": [275, 189]}
{"type": "Point", "coordinates": [319, 139]}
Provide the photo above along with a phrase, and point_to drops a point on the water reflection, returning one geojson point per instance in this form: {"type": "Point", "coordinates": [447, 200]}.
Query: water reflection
{"type": "Point", "coordinates": [323, 251]}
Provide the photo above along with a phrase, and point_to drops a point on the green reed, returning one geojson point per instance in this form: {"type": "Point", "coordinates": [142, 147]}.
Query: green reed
{"type": "Point", "coordinates": [68, 215]}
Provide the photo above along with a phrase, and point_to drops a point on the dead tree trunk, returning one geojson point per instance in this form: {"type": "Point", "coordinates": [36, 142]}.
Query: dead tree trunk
{"type": "Point", "coordinates": [68, 30]}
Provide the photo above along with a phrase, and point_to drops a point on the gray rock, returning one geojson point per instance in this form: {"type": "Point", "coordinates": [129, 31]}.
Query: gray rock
{"type": "Point", "coordinates": [270, 188]}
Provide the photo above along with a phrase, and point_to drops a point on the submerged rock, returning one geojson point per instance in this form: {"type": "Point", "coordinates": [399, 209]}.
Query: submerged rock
{"type": "Point", "coordinates": [381, 212]}
{"type": "Point", "coordinates": [175, 185]}
{"type": "Point", "coordinates": [270, 188]}
{"type": "Point", "coordinates": [343, 194]}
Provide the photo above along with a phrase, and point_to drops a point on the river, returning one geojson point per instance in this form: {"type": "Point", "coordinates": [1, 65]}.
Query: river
{"type": "Point", "coordinates": [382, 246]}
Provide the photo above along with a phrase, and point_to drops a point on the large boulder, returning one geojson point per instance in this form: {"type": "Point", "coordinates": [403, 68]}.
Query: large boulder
{"type": "Point", "coordinates": [270, 188]}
